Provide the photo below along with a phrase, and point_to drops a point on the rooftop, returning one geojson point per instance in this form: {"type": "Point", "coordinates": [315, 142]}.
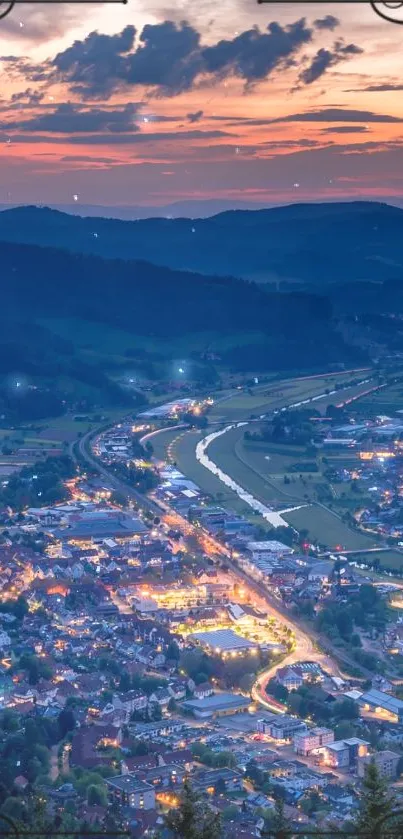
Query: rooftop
{"type": "Point", "coordinates": [382, 700]}
{"type": "Point", "coordinates": [223, 640]}
{"type": "Point", "coordinates": [273, 545]}
{"type": "Point", "coordinates": [129, 784]}
{"type": "Point", "coordinates": [218, 702]}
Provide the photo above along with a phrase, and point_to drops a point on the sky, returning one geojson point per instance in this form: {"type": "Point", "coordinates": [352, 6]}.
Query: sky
{"type": "Point", "coordinates": [200, 104]}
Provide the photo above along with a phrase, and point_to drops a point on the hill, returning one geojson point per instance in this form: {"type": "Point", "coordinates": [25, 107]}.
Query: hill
{"type": "Point", "coordinates": [150, 311]}
{"type": "Point", "coordinates": [312, 244]}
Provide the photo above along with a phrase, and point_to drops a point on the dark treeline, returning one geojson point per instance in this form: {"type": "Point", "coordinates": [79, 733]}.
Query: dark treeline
{"type": "Point", "coordinates": [148, 300]}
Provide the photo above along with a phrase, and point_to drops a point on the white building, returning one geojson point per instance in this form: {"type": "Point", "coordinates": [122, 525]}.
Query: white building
{"type": "Point", "coordinates": [306, 742]}
{"type": "Point", "coordinates": [268, 550]}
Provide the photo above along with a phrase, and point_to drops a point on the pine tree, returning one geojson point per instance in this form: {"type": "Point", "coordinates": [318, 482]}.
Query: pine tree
{"type": "Point", "coordinates": [280, 826]}
{"type": "Point", "coordinates": [193, 819]}
{"type": "Point", "coordinates": [375, 807]}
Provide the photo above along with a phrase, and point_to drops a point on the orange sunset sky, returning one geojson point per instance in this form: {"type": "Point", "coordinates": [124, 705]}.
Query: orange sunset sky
{"type": "Point", "coordinates": [162, 101]}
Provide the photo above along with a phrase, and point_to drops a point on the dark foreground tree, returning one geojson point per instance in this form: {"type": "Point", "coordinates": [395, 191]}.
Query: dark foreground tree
{"type": "Point", "coordinates": [281, 826]}
{"type": "Point", "coordinates": [375, 819]}
{"type": "Point", "coordinates": [193, 819]}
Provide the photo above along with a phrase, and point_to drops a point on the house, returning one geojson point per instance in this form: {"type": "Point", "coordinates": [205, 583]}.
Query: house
{"type": "Point", "coordinates": [133, 700]}
{"type": "Point", "coordinates": [131, 791]}
{"type": "Point", "coordinates": [177, 689]}
{"type": "Point", "coordinates": [160, 697]}
{"type": "Point", "coordinates": [155, 730]}
{"type": "Point", "coordinates": [340, 796]}
{"type": "Point", "coordinates": [290, 677]}
{"type": "Point", "coordinates": [88, 740]}
{"type": "Point", "coordinates": [203, 691]}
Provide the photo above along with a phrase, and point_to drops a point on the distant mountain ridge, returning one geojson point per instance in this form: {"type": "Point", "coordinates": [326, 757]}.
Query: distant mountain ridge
{"type": "Point", "coordinates": [313, 244]}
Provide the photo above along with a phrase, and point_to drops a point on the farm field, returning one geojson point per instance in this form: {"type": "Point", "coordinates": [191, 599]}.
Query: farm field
{"type": "Point", "coordinates": [264, 469]}
{"type": "Point", "coordinates": [262, 398]}
{"type": "Point", "coordinates": [324, 526]}
{"type": "Point", "coordinates": [183, 453]}
{"type": "Point", "coordinates": [392, 559]}
{"type": "Point", "coordinates": [386, 401]}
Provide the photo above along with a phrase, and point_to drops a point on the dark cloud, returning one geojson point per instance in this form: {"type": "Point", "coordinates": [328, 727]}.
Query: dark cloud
{"type": "Point", "coordinates": [86, 158]}
{"type": "Point", "coordinates": [71, 119]}
{"type": "Point", "coordinates": [328, 22]}
{"type": "Point", "coordinates": [325, 58]}
{"type": "Point", "coordinates": [169, 58]}
{"type": "Point", "coordinates": [195, 117]}
{"type": "Point", "coordinates": [253, 54]}
{"type": "Point", "coordinates": [377, 88]}
{"type": "Point", "coordinates": [27, 97]}
{"type": "Point", "coordinates": [338, 115]}
{"type": "Point", "coordinates": [117, 139]}
{"type": "Point", "coordinates": [290, 144]}
{"type": "Point", "coordinates": [345, 129]}
{"type": "Point", "coordinates": [96, 64]}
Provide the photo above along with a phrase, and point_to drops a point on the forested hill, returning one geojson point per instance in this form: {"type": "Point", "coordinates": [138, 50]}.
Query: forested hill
{"type": "Point", "coordinates": [144, 299]}
{"type": "Point", "coordinates": [309, 243]}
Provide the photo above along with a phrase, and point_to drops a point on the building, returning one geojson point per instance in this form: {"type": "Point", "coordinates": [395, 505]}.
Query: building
{"type": "Point", "coordinates": [212, 780]}
{"type": "Point", "coordinates": [167, 775]}
{"type": "Point", "coordinates": [130, 791]}
{"type": "Point", "coordinates": [224, 641]}
{"type": "Point", "coordinates": [98, 525]}
{"type": "Point", "coordinates": [267, 550]}
{"type": "Point", "coordinates": [383, 704]}
{"type": "Point", "coordinates": [344, 754]}
{"type": "Point", "coordinates": [306, 742]}
{"type": "Point", "coordinates": [290, 677]}
{"type": "Point", "coordinates": [155, 730]}
{"type": "Point", "coordinates": [218, 705]}
{"type": "Point", "coordinates": [386, 762]}
{"type": "Point", "coordinates": [203, 690]}
{"type": "Point", "coordinates": [281, 727]}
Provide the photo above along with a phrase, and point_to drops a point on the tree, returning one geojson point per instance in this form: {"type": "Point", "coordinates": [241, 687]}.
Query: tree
{"type": "Point", "coordinates": [124, 683]}
{"type": "Point", "coordinates": [376, 805]}
{"type": "Point", "coordinates": [193, 819]}
{"type": "Point", "coordinates": [67, 721]}
{"type": "Point", "coordinates": [280, 824]}
{"type": "Point", "coordinates": [97, 795]}
{"type": "Point", "coordinates": [230, 813]}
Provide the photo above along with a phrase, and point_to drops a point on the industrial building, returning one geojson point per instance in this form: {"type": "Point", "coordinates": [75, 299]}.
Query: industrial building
{"type": "Point", "coordinates": [382, 704]}
{"type": "Point", "coordinates": [218, 705]}
{"type": "Point", "coordinates": [223, 641]}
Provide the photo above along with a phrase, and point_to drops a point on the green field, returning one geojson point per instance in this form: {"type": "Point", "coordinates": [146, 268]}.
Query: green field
{"type": "Point", "coordinates": [261, 468]}
{"type": "Point", "coordinates": [240, 405]}
{"type": "Point", "coordinates": [386, 401]}
{"type": "Point", "coordinates": [324, 526]}
{"type": "Point", "coordinates": [387, 559]}
{"type": "Point", "coordinates": [185, 458]}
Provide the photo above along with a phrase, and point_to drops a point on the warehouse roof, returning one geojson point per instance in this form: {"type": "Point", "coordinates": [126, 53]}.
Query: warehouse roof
{"type": "Point", "coordinates": [222, 640]}
{"type": "Point", "coordinates": [382, 700]}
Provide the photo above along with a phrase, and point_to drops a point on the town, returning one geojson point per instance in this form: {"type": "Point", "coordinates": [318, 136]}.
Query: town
{"type": "Point", "coordinates": [152, 637]}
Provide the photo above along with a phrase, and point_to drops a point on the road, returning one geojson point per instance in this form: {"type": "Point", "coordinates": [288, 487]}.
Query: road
{"type": "Point", "coordinates": [306, 640]}
{"type": "Point", "coordinates": [116, 483]}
